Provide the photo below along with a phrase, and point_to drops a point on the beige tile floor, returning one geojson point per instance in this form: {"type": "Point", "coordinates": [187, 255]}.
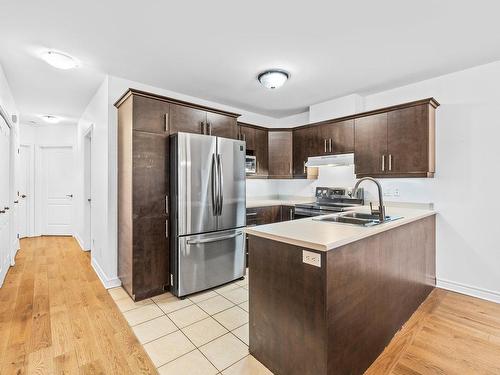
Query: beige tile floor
{"type": "Point", "coordinates": [204, 334]}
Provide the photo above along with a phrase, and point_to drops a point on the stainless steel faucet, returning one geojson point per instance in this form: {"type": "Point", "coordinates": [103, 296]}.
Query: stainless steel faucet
{"type": "Point", "coordinates": [381, 209]}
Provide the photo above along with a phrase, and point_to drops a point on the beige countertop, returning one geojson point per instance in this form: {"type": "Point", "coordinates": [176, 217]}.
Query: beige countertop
{"type": "Point", "coordinates": [325, 236]}
{"type": "Point", "coordinates": [287, 201]}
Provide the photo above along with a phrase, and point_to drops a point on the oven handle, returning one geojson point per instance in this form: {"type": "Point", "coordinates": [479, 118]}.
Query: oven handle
{"type": "Point", "coordinates": [305, 212]}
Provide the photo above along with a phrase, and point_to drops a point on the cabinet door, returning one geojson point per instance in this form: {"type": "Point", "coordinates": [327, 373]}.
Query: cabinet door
{"type": "Point", "coordinates": [247, 134]}
{"type": "Point", "coordinates": [222, 126]}
{"type": "Point", "coordinates": [261, 152]}
{"type": "Point", "coordinates": [287, 213]}
{"type": "Point", "coordinates": [187, 119]}
{"type": "Point", "coordinates": [408, 140]}
{"type": "Point", "coordinates": [304, 145]}
{"type": "Point", "coordinates": [268, 215]}
{"type": "Point", "coordinates": [150, 115]}
{"type": "Point", "coordinates": [338, 137]}
{"type": "Point", "coordinates": [370, 144]}
{"type": "Point", "coordinates": [280, 154]}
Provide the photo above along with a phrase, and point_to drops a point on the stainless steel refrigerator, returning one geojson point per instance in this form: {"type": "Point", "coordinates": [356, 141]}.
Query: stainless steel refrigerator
{"type": "Point", "coordinates": [208, 211]}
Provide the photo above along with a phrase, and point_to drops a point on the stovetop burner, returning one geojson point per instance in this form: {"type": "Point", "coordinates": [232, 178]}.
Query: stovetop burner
{"type": "Point", "coordinates": [330, 200]}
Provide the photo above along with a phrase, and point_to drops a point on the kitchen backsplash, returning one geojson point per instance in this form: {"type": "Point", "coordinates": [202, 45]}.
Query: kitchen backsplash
{"type": "Point", "coordinates": [417, 190]}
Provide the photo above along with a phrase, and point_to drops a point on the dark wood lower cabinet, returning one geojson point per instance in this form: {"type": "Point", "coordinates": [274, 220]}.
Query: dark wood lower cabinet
{"type": "Point", "coordinates": [337, 318]}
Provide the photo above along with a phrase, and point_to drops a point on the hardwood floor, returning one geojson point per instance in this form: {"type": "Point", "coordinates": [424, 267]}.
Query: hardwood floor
{"type": "Point", "coordinates": [450, 333]}
{"type": "Point", "coordinates": [57, 318]}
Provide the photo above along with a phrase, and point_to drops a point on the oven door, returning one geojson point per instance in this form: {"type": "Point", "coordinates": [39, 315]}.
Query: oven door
{"type": "Point", "coordinates": [301, 213]}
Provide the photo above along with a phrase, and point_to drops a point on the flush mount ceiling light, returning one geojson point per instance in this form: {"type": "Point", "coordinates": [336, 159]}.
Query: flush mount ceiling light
{"type": "Point", "coordinates": [60, 60]}
{"type": "Point", "coordinates": [273, 78]}
{"type": "Point", "coordinates": [51, 119]}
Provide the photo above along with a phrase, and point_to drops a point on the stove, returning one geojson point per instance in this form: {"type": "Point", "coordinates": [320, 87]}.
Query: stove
{"type": "Point", "coordinates": [330, 200]}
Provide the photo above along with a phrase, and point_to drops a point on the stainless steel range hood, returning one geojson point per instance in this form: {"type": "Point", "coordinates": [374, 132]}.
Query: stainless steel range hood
{"type": "Point", "coordinates": [330, 160]}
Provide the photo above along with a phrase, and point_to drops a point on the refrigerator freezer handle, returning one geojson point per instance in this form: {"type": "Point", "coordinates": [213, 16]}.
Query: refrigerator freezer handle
{"type": "Point", "coordinates": [221, 184]}
{"type": "Point", "coordinates": [214, 239]}
{"type": "Point", "coordinates": [215, 189]}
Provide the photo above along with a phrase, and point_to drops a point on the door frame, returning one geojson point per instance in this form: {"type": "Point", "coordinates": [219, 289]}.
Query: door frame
{"type": "Point", "coordinates": [87, 188]}
{"type": "Point", "coordinates": [39, 222]}
{"type": "Point", "coordinates": [30, 189]}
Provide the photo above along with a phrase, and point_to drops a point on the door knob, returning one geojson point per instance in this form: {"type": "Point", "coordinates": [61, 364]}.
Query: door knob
{"type": "Point", "coordinates": [2, 211]}
{"type": "Point", "coordinates": [69, 195]}
{"type": "Point", "coordinates": [23, 196]}
{"type": "Point", "coordinates": [16, 201]}
{"type": "Point", "coordinates": [6, 208]}
{"type": "Point", "coordinates": [90, 200]}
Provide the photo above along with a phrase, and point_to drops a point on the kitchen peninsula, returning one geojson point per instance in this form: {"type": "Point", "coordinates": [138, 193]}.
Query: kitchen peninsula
{"type": "Point", "coordinates": [326, 298]}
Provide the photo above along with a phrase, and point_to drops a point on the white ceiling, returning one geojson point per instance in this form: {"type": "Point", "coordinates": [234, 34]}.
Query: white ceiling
{"type": "Point", "coordinates": [215, 49]}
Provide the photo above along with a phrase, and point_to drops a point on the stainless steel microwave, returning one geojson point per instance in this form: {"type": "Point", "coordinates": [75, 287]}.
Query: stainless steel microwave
{"type": "Point", "coordinates": [250, 164]}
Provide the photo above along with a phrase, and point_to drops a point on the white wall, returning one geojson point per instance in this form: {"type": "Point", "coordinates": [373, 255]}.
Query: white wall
{"type": "Point", "coordinates": [95, 119]}
{"type": "Point", "coordinates": [339, 107]}
{"type": "Point", "coordinates": [463, 189]}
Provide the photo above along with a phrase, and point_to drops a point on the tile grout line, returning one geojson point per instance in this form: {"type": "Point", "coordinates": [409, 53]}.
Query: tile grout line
{"type": "Point", "coordinates": [229, 331]}
{"type": "Point", "coordinates": [195, 346]}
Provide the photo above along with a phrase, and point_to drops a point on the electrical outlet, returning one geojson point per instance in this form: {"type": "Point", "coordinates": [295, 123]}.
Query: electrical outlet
{"type": "Point", "coordinates": [396, 192]}
{"type": "Point", "coordinates": [314, 259]}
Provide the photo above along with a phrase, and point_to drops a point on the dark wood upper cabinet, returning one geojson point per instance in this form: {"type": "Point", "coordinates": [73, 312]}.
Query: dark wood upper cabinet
{"type": "Point", "coordinates": [222, 125]}
{"type": "Point", "coordinates": [261, 152]}
{"type": "Point", "coordinates": [337, 137]}
{"type": "Point", "coordinates": [187, 119]}
{"type": "Point", "coordinates": [398, 142]}
{"type": "Point", "coordinates": [280, 154]}
{"type": "Point", "coordinates": [305, 144]}
{"type": "Point", "coordinates": [370, 139]}
{"type": "Point", "coordinates": [247, 134]}
{"type": "Point", "coordinates": [150, 115]}
{"type": "Point", "coordinates": [410, 140]}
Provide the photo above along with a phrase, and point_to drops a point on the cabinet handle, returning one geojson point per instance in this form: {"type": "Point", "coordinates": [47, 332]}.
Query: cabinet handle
{"type": "Point", "coordinates": [16, 201]}
{"type": "Point", "coordinates": [209, 127]}
{"type": "Point", "coordinates": [289, 167]}
{"type": "Point", "coordinates": [291, 213]}
{"type": "Point", "coordinates": [2, 211]}
{"type": "Point", "coordinates": [325, 145]}
{"type": "Point", "coordinates": [330, 144]}
{"type": "Point", "coordinates": [166, 122]}
{"type": "Point", "coordinates": [6, 208]}
{"type": "Point", "coordinates": [305, 170]}
{"type": "Point", "coordinates": [244, 137]}
{"type": "Point", "coordinates": [383, 163]}
{"type": "Point", "coordinates": [390, 162]}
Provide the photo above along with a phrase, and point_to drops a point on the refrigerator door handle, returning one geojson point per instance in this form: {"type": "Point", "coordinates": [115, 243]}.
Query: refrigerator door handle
{"type": "Point", "coordinates": [215, 192]}
{"type": "Point", "coordinates": [221, 183]}
{"type": "Point", "coordinates": [214, 239]}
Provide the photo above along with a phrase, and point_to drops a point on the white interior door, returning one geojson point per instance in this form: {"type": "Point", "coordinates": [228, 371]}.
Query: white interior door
{"type": "Point", "coordinates": [57, 184]}
{"type": "Point", "coordinates": [4, 198]}
{"type": "Point", "coordinates": [24, 190]}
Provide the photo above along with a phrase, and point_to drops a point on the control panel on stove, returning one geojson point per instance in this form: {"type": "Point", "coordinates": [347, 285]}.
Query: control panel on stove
{"type": "Point", "coordinates": [330, 193]}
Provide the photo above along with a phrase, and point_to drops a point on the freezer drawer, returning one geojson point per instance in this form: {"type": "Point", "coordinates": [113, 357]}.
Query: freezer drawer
{"type": "Point", "coordinates": [208, 260]}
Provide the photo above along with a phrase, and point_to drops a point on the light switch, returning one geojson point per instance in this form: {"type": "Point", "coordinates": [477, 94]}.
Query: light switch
{"type": "Point", "coordinates": [314, 259]}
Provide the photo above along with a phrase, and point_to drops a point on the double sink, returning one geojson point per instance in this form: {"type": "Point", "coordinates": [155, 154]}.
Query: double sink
{"type": "Point", "coordinates": [357, 218]}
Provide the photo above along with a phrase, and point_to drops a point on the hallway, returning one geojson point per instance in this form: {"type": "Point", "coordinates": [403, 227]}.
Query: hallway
{"type": "Point", "coordinates": [57, 318]}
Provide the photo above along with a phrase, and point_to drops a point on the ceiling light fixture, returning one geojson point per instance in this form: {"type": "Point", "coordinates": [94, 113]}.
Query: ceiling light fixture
{"type": "Point", "coordinates": [51, 119]}
{"type": "Point", "coordinates": [60, 60]}
{"type": "Point", "coordinates": [273, 78]}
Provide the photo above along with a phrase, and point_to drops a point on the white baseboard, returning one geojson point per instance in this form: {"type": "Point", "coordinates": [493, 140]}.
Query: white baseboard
{"type": "Point", "coordinates": [473, 291]}
{"type": "Point", "coordinates": [80, 242]}
{"type": "Point", "coordinates": [3, 271]}
{"type": "Point", "coordinates": [107, 282]}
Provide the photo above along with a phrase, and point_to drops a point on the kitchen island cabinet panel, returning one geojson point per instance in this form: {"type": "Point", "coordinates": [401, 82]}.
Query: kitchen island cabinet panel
{"type": "Point", "coordinates": [336, 318]}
